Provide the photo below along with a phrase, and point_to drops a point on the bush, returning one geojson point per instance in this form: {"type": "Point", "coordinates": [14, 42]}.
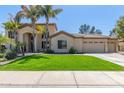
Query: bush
{"type": "Point", "coordinates": [1, 55]}
{"type": "Point", "coordinates": [2, 59]}
{"type": "Point", "coordinates": [10, 54]}
{"type": "Point", "coordinates": [50, 51]}
{"type": "Point", "coordinates": [72, 50]}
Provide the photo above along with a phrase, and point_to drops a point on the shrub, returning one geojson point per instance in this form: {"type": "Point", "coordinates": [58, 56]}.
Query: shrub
{"type": "Point", "coordinates": [10, 54]}
{"type": "Point", "coordinates": [49, 51]}
{"type": "Point", "coordinates": [2, 59]}
{"type": "Point", "coordinates": [1, 55]}
{"type": "Point", "coordinates": [72, 50]}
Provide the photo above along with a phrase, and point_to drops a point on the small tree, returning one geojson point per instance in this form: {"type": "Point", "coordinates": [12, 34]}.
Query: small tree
{"type": "Point", "coordinates": [20, 47]}
{"type": "Point", "coordinates": [119, 28]}
{"type": "Point", "coordinates": [4, 41]}
{"type": "Point", "coordinates": [11, 27]}
{"type": "Point", "coordinates": [87, 29]}
{"type": "Point", "coordinates": [84, 29]}
{"type": "Point", "coordinates": [112, 33]}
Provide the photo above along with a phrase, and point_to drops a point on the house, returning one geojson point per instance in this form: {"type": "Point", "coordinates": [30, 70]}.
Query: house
{"type": "Point", "coordinates": [61, 41]}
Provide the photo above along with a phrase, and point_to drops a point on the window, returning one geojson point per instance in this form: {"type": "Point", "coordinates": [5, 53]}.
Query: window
{"type": "Point", "coordinates": [62, 44]}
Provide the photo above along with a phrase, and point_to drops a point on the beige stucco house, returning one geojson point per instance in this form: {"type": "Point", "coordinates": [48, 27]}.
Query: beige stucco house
{"type": "Point", "coordinates": [61, 41]}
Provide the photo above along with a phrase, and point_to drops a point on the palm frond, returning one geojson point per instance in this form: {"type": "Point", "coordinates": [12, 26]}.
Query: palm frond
{"type": "Point", "coordinates": [24, 8]}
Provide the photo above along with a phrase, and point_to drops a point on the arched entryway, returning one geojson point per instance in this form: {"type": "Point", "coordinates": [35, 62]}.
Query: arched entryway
{"type": "Point", "coordinates": [28, 41]}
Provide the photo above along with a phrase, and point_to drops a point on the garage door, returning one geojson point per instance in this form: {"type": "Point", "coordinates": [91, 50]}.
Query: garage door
{"type": "Point", "coordinates": [93, 47]}
{"type": "Point", "coordinates": [112, 47]}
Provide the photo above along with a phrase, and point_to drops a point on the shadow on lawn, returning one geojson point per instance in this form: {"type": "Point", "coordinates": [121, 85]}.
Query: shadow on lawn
{"type": "Point", "coordinates": [28, 58]}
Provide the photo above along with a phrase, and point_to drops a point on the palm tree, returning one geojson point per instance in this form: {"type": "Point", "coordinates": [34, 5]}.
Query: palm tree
{"type": "Point", "coordinates": [31, 13]}
{"type": "Point", "coordinates": [48, 12]}
{"type": "Point", "coordinates": [8, 26]}
{"type": "Point", "coordinates": [12, 26]}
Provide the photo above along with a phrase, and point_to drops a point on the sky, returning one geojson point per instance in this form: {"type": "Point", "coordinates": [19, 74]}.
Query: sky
{"type": "Point", "coordinates": [73, 16]}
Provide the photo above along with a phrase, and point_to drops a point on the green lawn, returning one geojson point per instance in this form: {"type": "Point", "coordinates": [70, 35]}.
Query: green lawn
{"type": "Point", "coordinates": [61, 62]}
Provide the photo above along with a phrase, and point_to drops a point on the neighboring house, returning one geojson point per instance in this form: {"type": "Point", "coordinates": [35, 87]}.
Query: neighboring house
{"type": "Point", "coordinates": [62, 41]}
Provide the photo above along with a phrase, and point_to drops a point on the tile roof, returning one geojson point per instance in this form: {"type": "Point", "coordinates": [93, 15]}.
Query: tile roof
{"type": "Point", "coordinates": [78, 35]}
{"type": "Point", "coordinates": [42, 24]}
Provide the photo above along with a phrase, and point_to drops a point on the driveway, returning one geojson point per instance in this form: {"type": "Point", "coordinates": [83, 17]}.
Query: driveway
{"type": "Point", "coordinates": [117, 58]}
{"type": "Point", "coordinates": [61, 79]}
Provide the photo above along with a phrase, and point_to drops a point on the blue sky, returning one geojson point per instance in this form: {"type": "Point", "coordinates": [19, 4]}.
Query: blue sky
{"type": "Point", "coordinates": [102, 17]}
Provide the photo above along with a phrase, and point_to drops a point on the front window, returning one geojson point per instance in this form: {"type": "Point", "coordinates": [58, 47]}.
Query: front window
{"type": "Point", "coordinates": [62, 44]}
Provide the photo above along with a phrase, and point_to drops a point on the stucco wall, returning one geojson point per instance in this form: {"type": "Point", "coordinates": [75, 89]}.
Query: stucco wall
{"type": "Point", "coordinates": [78, 44]}
{"type": "Point", "coordinates": [121, 46]}
{"type": "Point", "coordinates": [22, 31]}
{"type": "Point", "coordinates": [84, 45]}
{"type": "Point", "coordinates": [52, 29]}
{"type": "Point", "coordinates": [54, 43]}
{"type": "Point", "coordinates": [112, 45]}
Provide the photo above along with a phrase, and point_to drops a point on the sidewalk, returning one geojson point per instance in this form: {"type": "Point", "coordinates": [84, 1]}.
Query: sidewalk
{"type": "Point", "coordinates": [62, 79]}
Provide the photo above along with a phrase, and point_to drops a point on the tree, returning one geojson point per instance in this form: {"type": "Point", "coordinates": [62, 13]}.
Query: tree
{"type": "Point", "coordinates": [48, 12]}
{"type": "Point", "coordinates": [98, 31]}
{"type": "Point", "coordinates": [84, 29]}
{"type": "Point", "coordinates": [20, 47]}
{"type": "Point", "coordinates": [87, 29]}
{"type": "Point", "coordinates": [12, 26]}
{"type": "Point", "coordinates": [29, 12]}
{"type": "Point", "coordinates": [119, 28]}
{"type": "Point", "coordinates": [5, 40]}
{"type": "Point", "coordinates": [92, 31]}
{"type": "Point", "coordinates": [112, 32]}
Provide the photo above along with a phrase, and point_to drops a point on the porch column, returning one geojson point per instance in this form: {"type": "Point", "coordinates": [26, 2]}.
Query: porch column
{"type": "Point", "coordinates": [106, 46]}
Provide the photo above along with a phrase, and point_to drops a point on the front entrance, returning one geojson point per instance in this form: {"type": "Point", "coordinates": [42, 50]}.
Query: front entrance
{"type": "Point", "coordinates": [28, 41]}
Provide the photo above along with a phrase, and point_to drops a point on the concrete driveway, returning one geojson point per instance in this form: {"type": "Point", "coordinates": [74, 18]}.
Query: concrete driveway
{"type": "Point", "coordinates": [61, 79]}
{"type": "Point", "coordinates": [117, 58]}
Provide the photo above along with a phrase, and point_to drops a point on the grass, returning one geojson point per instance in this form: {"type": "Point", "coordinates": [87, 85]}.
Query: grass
{"type": "Point", "coordinates": [61, 63]}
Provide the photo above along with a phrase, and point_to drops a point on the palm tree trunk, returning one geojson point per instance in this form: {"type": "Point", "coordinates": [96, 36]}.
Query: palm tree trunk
{"type": "Point", "coordinates": [11, 40]}
{"type": "Point", "coordinates": [33, 34]}
{"type": "Point", "coordinates": [47, 31]}
{"type": "Point", "coordinates": [15, 36]}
